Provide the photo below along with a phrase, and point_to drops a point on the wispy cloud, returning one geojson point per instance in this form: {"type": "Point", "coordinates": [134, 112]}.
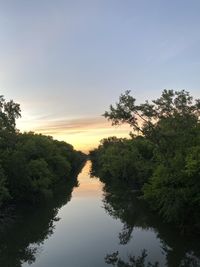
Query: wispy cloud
{"type": "Point", "coordinates": [72, 126]}
{"type": "Point", "coordinates": [82, 133]}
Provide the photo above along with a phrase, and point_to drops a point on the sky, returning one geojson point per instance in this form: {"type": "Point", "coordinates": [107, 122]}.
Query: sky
{"type": "Point", "coordinates": [66, 61]}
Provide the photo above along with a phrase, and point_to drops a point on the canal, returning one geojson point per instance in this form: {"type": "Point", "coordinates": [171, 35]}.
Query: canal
{"type": "Point", "coordinates": [86, 224]}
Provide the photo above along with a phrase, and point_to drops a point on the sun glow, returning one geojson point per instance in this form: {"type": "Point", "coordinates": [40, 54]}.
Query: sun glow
{"type": "Point", "coordinates": [83, 133]}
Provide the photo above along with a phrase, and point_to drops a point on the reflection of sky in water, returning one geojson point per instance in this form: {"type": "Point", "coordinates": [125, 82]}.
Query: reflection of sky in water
{"type": "Point", "coordinates": [86, 233]}
{"type": "Point", "coordinates": [88, 187]}
{"type": "Point", "coordinates": [145, 239]}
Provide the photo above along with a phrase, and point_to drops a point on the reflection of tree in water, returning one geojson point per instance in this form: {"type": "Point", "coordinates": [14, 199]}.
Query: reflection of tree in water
{"type": "Point", "coordinates": [133, 261]}
{"type": "Point", "coordinates": [20, 242]}
{"type": "Point", "coordinates": [120, 203]}
{"type": "Point", "coordinates": [116, 206]}
{"type": "Point", "coordinates": [125, 234]}
{"type": "Point", "coordinates": [114, 259]}
{"type": "Point", "coordinates": [123, 204]}
{"type": "Point", "coordinates": [190, 260]}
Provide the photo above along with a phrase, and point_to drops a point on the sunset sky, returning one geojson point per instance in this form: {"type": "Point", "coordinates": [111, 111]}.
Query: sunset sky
{"type": "Point", "coordinates": [66, 61]}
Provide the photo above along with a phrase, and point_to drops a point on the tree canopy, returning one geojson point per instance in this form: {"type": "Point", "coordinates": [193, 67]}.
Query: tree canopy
{"type": "Point", "coordinates": [144, 117]}
{"type": "Point", "coordinates": [9, 112]}
{"type": "Point", "coordinates": [30, 164]}
{"type": "Point", "coordinates": [162, 156]}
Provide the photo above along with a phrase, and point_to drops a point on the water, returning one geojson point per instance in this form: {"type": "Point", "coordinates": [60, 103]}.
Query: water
{"type": "Point", "coordinates": [86, 223]}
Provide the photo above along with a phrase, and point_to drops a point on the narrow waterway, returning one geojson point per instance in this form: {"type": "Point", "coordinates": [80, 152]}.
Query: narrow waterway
{"type": "Point", "coordinates": [88, 223]}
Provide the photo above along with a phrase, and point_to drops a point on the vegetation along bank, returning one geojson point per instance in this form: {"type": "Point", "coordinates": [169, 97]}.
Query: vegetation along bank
{"type": "Point", "coordinates": [31, 165]}
{"type": "Point", "coordinates": [162, 157]}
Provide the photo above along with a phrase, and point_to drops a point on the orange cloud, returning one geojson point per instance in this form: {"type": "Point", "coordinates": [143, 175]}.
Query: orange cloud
{"type": "Point", "coordinates": [82, 133]}
{"type": "Point", "coordinates": [75, 125]}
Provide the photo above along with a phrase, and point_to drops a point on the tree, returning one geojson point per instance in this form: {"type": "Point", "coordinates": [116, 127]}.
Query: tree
{"type": "Point", "coordinates": [172, 124]}
{"type": "Point", "coordinates": [31, 164]}
{"type": "Point", "coordinates": [9, 112]}
{"type": "Point", "coordinates": [158, 120]}
{"type": "Point", "coordinates": [4, 194]}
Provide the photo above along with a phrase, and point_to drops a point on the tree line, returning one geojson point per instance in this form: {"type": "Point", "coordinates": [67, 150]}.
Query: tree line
{"type": "Point", "coordinates": [31, 164]}
{"type": "Point", "coordinates": [162, 157]}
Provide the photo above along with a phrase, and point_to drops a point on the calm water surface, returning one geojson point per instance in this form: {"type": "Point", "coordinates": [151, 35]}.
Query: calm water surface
{"type": "Point", "coordinates": [85, 224]}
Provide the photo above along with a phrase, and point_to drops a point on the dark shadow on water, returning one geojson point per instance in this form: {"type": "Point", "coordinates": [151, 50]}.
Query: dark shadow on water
{"type": "Point", "coordinates": [133, 261]}
{"type": "Point", "coordinates": [140, 261]}
{"type": "Point", "coordinates": [21, 239]}
{"type": "Point", "coordinates": [177, 250]}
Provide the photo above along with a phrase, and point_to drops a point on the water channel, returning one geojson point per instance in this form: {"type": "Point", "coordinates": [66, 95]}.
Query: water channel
{"type": "Point", "coordinates": [86, 224]}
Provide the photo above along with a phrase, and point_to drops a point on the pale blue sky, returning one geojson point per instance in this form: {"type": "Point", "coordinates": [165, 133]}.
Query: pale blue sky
{"type": "Point", "coordinates": [66, 61]}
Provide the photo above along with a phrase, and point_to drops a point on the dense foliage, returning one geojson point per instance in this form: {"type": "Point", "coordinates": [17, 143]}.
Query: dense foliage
{"type": "Point", "coordinates": [23, 233]}
{"type": "Point", "coordinates": [30, 164]}
{"type": "Point", "coordinates": [124, 205]}
{"type": "Point", "coordinates": [123, 159]}
{"type": "Point", "coordinates": [163, 156]}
